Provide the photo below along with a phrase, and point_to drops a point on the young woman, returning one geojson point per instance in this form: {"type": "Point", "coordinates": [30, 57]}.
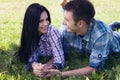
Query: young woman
{"type": "Point", "coordinates": [40, 38]}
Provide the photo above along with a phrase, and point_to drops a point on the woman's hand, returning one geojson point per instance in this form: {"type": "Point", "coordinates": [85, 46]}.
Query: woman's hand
{"type": "Point", "coordinates": [49, 67]}
{"type": "Point", "coordinates": [41, 69]}
{"type": "Point", "coordinates": [38, 69]}
{"type": "Point", "coordinates": [36, 65]}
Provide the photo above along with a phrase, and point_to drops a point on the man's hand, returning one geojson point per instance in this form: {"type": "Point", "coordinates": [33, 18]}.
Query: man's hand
{"type": "Point", "coordinates": [52, 72]}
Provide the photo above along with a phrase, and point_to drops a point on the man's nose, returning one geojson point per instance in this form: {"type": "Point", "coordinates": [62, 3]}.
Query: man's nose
{"type": "Point", "coordinates": [64, 22]}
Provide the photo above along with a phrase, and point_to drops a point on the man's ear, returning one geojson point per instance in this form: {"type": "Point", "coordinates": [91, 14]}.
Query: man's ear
{"type": "Point", "coordinates": [81, 23]}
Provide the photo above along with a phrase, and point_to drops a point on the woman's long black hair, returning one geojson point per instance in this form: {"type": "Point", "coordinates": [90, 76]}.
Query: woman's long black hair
{"type": "Point", "coordinates": [30, 35]}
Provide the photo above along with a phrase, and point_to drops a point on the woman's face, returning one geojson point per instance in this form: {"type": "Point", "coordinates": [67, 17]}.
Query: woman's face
{"type": "Point", "coordinates": [44, 23]}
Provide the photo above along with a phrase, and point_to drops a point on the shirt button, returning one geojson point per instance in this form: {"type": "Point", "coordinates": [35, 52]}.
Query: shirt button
{"type": "Point", "coordinates": [99, 56]}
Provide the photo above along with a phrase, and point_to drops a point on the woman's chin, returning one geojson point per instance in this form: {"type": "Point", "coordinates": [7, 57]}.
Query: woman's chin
{"type": "Point", "coordinates": [44, 32]}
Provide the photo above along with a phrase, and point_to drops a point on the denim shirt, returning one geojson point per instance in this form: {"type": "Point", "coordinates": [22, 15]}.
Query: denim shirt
{"type": "Point", "coordinates": [99, 41]}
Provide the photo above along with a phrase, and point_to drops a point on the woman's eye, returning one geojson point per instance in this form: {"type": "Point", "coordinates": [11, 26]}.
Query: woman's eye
{"type": "Point", "coordinates": [47, 19]}
{"type": "Point", "coordinates": [41, 21]}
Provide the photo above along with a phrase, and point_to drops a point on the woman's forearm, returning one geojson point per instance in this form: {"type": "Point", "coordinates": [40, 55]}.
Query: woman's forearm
{"type": "Point", "coordinates": [50, 61]}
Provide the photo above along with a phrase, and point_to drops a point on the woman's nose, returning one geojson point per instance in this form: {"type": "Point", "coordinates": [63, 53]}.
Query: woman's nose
{"type": "Point", "coordinates": [46, 22]}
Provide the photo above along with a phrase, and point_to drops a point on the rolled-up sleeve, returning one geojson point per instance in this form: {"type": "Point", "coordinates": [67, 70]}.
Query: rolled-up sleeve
{"type": "Point", "coordinates": [33, 58]}
{"type": "Point", "coordinates": [100, 51]}
{"type": "Point", "coordinates": [57, 50]}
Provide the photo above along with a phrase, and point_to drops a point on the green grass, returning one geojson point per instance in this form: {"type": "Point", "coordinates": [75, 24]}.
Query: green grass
{"type": "Point", "coordinates": [11, 18]}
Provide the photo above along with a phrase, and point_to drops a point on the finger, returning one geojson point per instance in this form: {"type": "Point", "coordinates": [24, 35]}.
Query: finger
{"type": "Point", "coordinates": [36, 73]}
{"type": "Point", "coordinates": [49, 70]}
{"type": "Point", "coordinates": [49, 67]}
{"type": "Point", "coordinates": [37, 70]}
{"type": "Point", "coordinates": [39, 64]}
{"type": "Point", "coordinates": [40, 75]}
{"type": "Point", "coordinates": [47, 75]}
{"type": "Point", "coordinates": [34, 65]}
{"type": "Point", "coordinates": [46, 70]}
{"type": "Point", "coordinates": [40, 67]}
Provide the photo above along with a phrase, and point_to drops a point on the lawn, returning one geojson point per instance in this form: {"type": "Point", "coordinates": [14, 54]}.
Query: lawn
{"type": "Point", "coordinates": [11, 18]}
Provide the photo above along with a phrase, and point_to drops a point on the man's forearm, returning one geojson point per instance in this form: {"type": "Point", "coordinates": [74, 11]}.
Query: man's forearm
{"type": "Point", "coordinates": [79, 72]}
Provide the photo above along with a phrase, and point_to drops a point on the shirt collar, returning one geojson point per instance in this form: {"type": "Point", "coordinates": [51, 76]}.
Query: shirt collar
{"type": "Point", "coordinates": [90, 28]}
{"type": "Point", "coordinates": [44, 36]}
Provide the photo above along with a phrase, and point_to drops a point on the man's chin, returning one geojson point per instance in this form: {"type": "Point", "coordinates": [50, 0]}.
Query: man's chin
{"type": "Point", "coordinates": [69, 31]}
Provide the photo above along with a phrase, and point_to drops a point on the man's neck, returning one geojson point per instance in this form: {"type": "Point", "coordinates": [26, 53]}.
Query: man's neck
{"type": "Point", "coordinates": [83, 30]}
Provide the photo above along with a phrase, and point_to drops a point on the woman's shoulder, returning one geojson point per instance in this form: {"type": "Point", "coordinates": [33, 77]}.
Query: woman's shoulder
{"type": "Point", "coordinates": [52, 30]}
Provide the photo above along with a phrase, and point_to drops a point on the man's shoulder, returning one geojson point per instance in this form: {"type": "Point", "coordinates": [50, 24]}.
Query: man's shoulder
{"type": "Point", "coordinates": [99, 29]}
{"type": "Point", "coordinates": [101, 26]}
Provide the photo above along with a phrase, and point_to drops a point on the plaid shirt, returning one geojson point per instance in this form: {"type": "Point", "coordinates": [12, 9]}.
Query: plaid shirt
{"type": "Point", "coordinates": [49, 45]}
{"type": "Point", "coordinates": [99, 41]}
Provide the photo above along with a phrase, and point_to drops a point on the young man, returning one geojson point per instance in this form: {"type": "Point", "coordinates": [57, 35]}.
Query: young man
{"type": "Point", "coordinates": [86, 35]}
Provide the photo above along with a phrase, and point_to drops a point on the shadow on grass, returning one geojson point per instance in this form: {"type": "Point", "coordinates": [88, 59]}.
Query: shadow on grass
{"type": "Point", "coordinates": [113, 61]}
{"type": "Point", "coordinates": [6, 56]}
{"type": "Point", "coordinates": [77, 61]}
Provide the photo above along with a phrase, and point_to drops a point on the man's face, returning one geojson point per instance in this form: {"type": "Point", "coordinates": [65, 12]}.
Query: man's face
{"type": "Point", "coordinates": [69, 21]}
